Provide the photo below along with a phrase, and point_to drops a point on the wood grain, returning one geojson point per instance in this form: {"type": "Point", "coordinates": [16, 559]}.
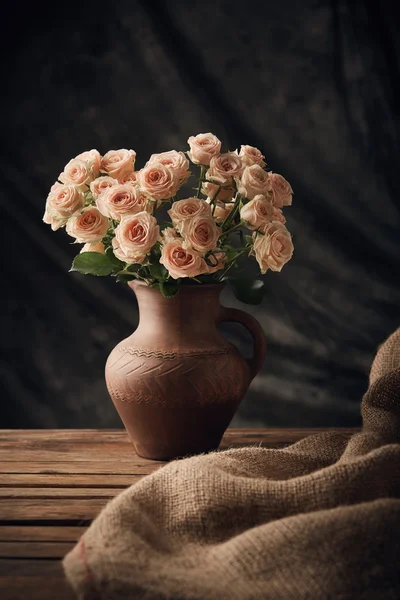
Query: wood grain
{"type": "Point", "coordinates": [36, 579]}
{"type": "Point", "coordinates": [54, 483]}
{"type": "Point", "coordinates": [33, 533]}
{"type": "Point", "coordinates": [35, 549]}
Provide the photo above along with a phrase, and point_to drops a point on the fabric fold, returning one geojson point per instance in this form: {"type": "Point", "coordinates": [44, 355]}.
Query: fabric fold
{"type": "Point", "coordinates": [317, 520]}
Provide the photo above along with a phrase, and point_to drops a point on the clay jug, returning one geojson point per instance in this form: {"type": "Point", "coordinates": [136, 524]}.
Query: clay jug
{"type": "Point", "coordinates": [176, 382]}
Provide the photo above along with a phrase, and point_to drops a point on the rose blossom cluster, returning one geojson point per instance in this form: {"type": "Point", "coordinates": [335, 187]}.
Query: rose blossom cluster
{"type": "Point", "coordinates": [107, 205]}
{"type": "Point", "coordinates": [262, 195]}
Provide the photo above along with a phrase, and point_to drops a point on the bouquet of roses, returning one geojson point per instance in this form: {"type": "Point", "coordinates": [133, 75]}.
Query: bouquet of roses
{"type": "Point", "coordinates": [134, 225]}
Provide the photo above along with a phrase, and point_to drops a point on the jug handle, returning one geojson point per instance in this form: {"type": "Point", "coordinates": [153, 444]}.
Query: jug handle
{"type": "Point", "coordinates": [253, 326]}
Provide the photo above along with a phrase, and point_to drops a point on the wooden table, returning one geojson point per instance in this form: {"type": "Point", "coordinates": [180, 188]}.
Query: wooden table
{"type": "Point", "coordinates": [54, 482]}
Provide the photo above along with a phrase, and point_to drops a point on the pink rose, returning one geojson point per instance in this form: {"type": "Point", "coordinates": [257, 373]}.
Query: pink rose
{"type": "Point", "coordinates": [101, 184]}
{"type": "Point", "coordinates": [254, 181]}
{"type": "Point", "coordinates": [136, 235]}
{"type": "Point", "coordinates": [274, 248]}
{"type": "Point", "coordinates": [158, 182]}
{"type": "Point", "coordinates": [90, 226]}
{"type": "Point", "coordinates": [251, 156]}
{"type": "Point", "coordinates": [224, 167]}
{"type": "Point", "coordinates": [182, 210]}
{"type": "Point", "coordinates": [222, 210]}
{"type": "Point", "coordinates": [180, 261]}
{"type": "Point", "coordinates": [200, 233]}
{"type": "Point", "coordinates": [118, 163]}
{"type": "Point", "coordinates": [203, 147]}
{"type": "Point", "coordinates": [56, 186]}
{"type": "Point", "coordinates": [257, 212]}
{"type": "Point", "coordinates": [211, 189]}
{"type": "Point", "coordinates": [77, 172]}
{"type": "Point", "coordinates": [281, 190]}
{"type": "Point", "coordinates": [130, 178]}
{"type": "Point", "coordinates": [119, 200]}
{"type": "Point", "coordinates": [63, 202]}
{"type": "Point", "coordinates": [99, 247]}
{"type": "Point", "coordinates": [278, 215]}
{"type": "Point", "coordinates": [218, 259]}
{"type": "Point", "coordinates": [175, 160]}
{"type": "Point", "coordinates": [132, 258]}
{"type": "Point", "coordinates": [168, 235]}
{"type": "Point", "coordinates": [93, 158]}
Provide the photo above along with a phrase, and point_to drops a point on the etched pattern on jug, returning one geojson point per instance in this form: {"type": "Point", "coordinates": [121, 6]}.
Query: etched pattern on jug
{"type": "Point", "coordinates": [171, 355]}
{"type": "Point", "coordinates": [179, 379]}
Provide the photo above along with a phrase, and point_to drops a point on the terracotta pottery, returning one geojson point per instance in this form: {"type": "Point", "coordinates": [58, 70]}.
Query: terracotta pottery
{"type": "Point", "coordinates": [176, 382]}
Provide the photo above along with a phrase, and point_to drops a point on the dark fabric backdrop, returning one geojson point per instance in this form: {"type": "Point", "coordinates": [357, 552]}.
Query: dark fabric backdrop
{"type": "Point", "coordinates": [314, 84]}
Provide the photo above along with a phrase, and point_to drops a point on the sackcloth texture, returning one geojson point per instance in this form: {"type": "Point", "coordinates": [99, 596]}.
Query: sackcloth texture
{"type": "Point", "coordinates": [317, 520]}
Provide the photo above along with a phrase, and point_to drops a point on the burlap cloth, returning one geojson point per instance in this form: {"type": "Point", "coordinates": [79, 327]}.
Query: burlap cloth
{"type": "Point", "coordinates": [319, 519]}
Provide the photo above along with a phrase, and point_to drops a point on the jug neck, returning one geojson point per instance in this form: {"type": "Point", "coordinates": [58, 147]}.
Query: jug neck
{"type": "Point", "coordinates": [192, 311]}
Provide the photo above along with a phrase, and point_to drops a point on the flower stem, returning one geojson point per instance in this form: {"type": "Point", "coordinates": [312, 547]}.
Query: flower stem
{"type": "Point", "coordinates": [232, 213]}
{"type": "Point", "coordinates": [228, 231]}
{"type": "Point", "coordinates": [232, 261]}
{"type": "Point", "coordinates": [201, 179]}
{"type": "Point", "coordinates": [213, 202]}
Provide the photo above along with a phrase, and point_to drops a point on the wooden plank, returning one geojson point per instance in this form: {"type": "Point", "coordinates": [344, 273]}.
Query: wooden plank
{"type": "Point", "coordinates": [30, 480]}
{"type": "Point", "coordinates": [100, 436]}
{"type": "Point", "coordinates": [238, 437]}
{"type": "Point", "coordinates": [35, 549]}
{"type": "Point", "coordinates": [59, 493]}
{"type": "Point", "coordinates": [34, 579]}
{"type": "Point", "coordinates": [123, 452]}
{"type": "Point", "coordinates": [94, 436]}
{"type": "Point", "coordinates": [32, 533]}
{"type": "Point", "coordinates": [78, 467]}
{"type": "Point", "coordinates": [49, 510]}
{"type": "Point", "coordinates": [10, 451]}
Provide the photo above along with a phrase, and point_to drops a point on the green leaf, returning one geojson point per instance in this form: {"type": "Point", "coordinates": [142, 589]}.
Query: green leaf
{"type": "Point", "coordinates": [169, 288]}
{"type": "Point", "coordinates": [92, 263]}
{"type": "Point", "coordinates": [230, 252]}
{"type": "Point", "coordinates": [249, 291]}
{"type": "Point", "coordinates": [125, 277]}
{"type": "Point", "coordinates": [114, 260]}
{"type": "Point", "coordinates": [158, 271]}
